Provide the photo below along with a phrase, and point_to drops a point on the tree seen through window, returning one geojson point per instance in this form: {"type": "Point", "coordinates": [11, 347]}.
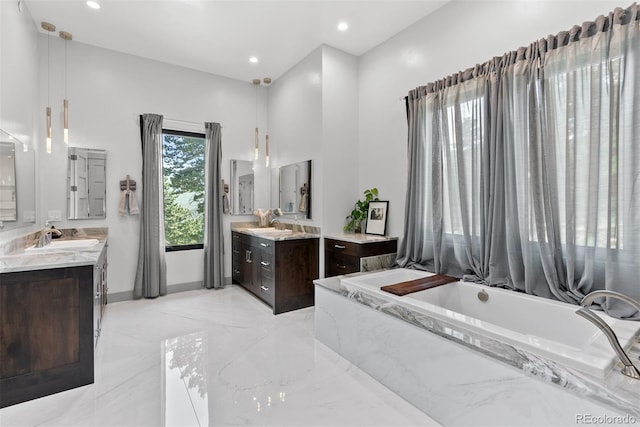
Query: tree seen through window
{"type": "Point", "coordinates": [183, 168]}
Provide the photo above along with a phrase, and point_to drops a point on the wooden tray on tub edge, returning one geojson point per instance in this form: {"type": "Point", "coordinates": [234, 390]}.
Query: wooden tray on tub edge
{"type": "Point", "coordinates": [417, 285]}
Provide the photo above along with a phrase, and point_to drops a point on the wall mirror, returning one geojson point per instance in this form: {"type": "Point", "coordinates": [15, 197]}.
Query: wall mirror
{"type": "Point", "coordinates": [8, 193]}
{"type": "Point", "coordinates": [295, 189]}
{"type": "Point", "coordinates": [241, 188]}
{"type": "Point", "coordinates": [17, 183]}
{"type": "Point", "coordinates": [86, 179]}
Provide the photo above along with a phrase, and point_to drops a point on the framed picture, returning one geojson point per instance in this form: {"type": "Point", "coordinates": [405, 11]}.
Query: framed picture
{"type": "Point", "coordinates": [377, 217]}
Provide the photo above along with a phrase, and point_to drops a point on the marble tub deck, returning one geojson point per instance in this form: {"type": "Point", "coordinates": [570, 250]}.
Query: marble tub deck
{"type": "Point", "coordinates": [617, 393]}
{"type": "Point", "coordinates": [240, 365]}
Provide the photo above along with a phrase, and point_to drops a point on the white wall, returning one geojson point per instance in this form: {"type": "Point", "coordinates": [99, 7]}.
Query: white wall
{"type": "Point", "coordinates": [107, 92]}
{"type": "Point", "coordinates": [313, 114]}
{"type": "Point", "coordinates": [18, 72]}
{"type": "Point", "coordinates": [455, 37]}
{"type": "Point", "coordinates": [340, 160]}
{"type": "Point", "coordinates": [19, 82]}
{"type": "Point", "coordinates": [295, 124]}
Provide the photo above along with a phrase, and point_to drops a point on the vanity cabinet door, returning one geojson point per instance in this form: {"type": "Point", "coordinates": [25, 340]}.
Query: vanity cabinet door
{"type": "Point", "coordinates": [100, 289]}
{"type": "Point", "coordinates": [296, 267]}
{"type": "Point", "coordinates": [237, 261]}
{"type": "Point", "coordinates": [245, 262]}
{"type": "Point", "coordinates": [97, 312]}
{"type": "Point", "coordinates": [46, 332]}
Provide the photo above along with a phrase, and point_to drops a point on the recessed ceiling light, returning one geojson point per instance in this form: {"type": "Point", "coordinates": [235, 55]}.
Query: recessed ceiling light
{"type": "Point", "coordinates": [253, 59]}
{"type": "Point", "coordinates": [93, 4]}
{"type": "Point", "coordinates": [343, 26]}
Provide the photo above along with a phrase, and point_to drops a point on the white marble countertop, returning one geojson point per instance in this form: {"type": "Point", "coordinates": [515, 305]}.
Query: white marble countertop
{"type": "Point", "coordinates": [359, 238]}
{"type": "Point", "coordinates": [19, 260]}
{"type": "Point", "coordinates": [277, 236]}
{"type": "Point", "coordinates": [615, 390]}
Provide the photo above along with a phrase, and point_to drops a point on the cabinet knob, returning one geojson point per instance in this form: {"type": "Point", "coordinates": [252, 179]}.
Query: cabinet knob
{"type": "Point", "coordinates": [339, 246]}
{"type": "Point", "coordinates": [236, 271]}
{"type": "Point", "coordinates": [235, 251]}
{"type": "Point", "coordinates": [264, 288]}
{"type": "Point", "coordinates": [341, 267]}
{"type": "Point", "coordinates": [265, 245]}
{"type": "Point", "coordinates": [265, 263]}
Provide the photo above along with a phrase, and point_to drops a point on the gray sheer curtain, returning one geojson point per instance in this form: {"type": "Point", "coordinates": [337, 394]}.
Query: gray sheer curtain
{"type": "Point", "coordinates": [151, 277]}
{"type": "Point", "coordinates": [524, 172]}
{"type": "Point", "coordinates": [213, 241]}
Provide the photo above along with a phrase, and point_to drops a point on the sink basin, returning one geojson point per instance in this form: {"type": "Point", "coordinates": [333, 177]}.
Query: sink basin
{"type": "Point", "coordinates": [65, 245]}
{"type": "Point", "coordinates": [273, 231]}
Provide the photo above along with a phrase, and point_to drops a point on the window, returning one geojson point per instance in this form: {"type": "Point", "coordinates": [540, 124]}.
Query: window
{"type": "Point", "coordinates": [183, 175]}
{"type": "Point", "coordinates": [462, 135]}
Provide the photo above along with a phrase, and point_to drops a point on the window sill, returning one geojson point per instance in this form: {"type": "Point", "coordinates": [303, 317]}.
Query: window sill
{"type": "Point", "coordinates": [178, 248]}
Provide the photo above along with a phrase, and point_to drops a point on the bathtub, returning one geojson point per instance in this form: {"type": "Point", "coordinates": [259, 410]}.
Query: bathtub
{"type": "Point", "coordinates": [547, 328]}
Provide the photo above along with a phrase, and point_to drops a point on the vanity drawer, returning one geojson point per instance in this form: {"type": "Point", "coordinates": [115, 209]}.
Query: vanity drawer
{"type": "Point", "coordinates": [266, 289]}
{"type": "Point", "coordinates": [341, 247]}
{"type": "Point", "coordinates": [236, 254]}
{"type": "Point", "coordinates": [337, 264]}
{"type": "Point", "coordinates": [266, 246]}
{"type": "Point", "coordinates": [236, 272]}
{"type": "Point", "coordinates": [235, 238]}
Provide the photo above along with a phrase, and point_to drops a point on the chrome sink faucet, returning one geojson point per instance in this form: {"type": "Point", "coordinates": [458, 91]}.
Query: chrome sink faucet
{"type": "Point", "coordinates": [45, 235]}
{"type": "Point", "coordinates": [629, 369]}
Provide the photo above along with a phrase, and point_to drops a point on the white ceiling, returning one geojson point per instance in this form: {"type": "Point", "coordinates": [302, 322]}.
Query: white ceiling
{"type": "Point", "coordinates": [219, 36]}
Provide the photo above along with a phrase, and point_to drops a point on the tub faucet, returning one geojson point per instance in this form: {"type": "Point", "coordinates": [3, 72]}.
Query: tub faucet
{"type": "Point", "coordinates": [629, 369]}
{"type": "Point", "coordinates": [45, 235]}
{"type": "Point", "coordinates": [589, 298]}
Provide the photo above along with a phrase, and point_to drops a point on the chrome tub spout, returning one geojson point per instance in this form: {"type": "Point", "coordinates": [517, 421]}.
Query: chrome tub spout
{"type": "Point", "coordinates": [629, 369]}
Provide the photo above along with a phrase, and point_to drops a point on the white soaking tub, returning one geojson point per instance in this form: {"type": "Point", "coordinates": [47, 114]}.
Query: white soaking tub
{"type": "Point", "coordinates": [538, 325]}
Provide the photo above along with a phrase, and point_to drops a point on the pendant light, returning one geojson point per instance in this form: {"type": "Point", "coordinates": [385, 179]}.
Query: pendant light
{"type": "Point", "coordinates": [256, 83]}
{"type": "Point", "coordinates": [50, 28]}
{"type": "Point", "coordinates": [267, 81]}
{"type": "Point", "coordinates": [65, 105]}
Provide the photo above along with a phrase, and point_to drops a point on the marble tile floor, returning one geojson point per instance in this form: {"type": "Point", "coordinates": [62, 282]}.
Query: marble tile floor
{"type": "Point", "coordinates": [217, 358]}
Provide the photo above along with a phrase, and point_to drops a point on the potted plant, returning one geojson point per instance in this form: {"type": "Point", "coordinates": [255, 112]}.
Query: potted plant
{"type": "Point", "coordinates": [359, 213]}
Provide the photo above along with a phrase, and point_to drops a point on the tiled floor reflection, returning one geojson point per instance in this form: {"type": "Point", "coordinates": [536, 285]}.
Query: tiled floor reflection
{"type": "Point", "coordinates": [217, 358]}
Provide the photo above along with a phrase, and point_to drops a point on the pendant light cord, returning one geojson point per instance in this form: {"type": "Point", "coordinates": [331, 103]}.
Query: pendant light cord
{"type": "Point", "coordinates": [48, 68]}
{"type": "Point", "coordinates": [65, 69]}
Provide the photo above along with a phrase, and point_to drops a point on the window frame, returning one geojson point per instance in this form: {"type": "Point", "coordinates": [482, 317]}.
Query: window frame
{"type": "Point", "coordinates": [188, 134]}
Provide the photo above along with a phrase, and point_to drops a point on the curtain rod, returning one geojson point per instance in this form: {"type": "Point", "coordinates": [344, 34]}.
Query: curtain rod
{"type": "Point", "coordinates": [188, 122]}
{"type": "Point", "coordinates": [184, 121]}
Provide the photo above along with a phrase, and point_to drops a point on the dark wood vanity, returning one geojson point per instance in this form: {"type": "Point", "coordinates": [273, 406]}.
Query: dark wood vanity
{"type": "Point", "coordinates": [279, 272]}
{"type": "Point", "coordinates": [50, 321]}
{"type": "Point", "coordinates": [344, 255]}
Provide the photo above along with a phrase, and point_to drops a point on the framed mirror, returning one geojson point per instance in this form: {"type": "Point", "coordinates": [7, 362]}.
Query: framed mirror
{"type": "Point", "coordinates": [8, 191]}
{"type": "Point", "coordinates": [17, 183]}
{"type": "Point", "coordinates": [295, 189]}
{"type": "Point", "coordinates": [241, 188]}
{"type": "Point", "coordinates": [86, 179]}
